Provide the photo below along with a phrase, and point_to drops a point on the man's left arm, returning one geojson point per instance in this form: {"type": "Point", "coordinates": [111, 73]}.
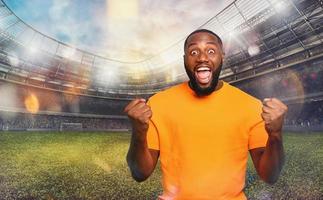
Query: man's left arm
{"type": "Point", "coordinates": [269, 160]}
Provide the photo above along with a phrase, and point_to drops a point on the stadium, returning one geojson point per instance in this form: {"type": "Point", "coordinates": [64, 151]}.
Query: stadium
{"type": "Point", "coordinates": [63, 132]}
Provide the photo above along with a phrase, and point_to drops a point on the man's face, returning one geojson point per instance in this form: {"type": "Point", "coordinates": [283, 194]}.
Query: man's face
{"type": "Point", "coordinates": [203, 62]}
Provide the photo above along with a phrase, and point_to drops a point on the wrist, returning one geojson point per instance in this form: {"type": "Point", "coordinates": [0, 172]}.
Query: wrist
{"type": "Point", "coordinates": [139, 135]}
{"type": "Point", "coordinates": [275, 136]}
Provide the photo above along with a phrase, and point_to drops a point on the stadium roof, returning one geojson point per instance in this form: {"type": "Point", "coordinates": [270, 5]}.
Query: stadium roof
{"type": "Point", "coordinates": [256, 33]}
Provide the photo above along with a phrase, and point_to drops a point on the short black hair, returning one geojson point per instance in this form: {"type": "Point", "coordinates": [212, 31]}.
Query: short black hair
{"type": "Point", "coordinates": [203, 31]}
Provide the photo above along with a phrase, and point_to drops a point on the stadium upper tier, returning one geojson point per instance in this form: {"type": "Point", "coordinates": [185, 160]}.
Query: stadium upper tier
{"type": "Point", "coordinates": [259, 36]}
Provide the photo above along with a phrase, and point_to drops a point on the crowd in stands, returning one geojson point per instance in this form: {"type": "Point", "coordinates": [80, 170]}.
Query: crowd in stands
{"type": "Point", "coordinates": [56, 108]}
{"type": "Point", "coordinates": [307, 115]}
{"type": "Point", "coordinates": [27, 121]}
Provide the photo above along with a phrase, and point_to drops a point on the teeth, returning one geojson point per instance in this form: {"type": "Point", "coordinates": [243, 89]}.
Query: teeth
{"type": "Point", "coordinates": [203, 69]}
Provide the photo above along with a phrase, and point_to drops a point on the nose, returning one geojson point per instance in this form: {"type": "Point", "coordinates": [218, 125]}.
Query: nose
{"type": "Point", "coordinates": [203, 57]}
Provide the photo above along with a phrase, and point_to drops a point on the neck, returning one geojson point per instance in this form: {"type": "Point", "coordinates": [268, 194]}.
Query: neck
{"type": "Point", "coordinates": [218, 87]}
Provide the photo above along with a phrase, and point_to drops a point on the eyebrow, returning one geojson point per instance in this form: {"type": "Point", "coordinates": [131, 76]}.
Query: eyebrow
{"type": "Point", "coordinates": [191, 44]}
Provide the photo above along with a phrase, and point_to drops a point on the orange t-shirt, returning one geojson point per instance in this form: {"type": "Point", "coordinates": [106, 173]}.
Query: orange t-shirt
{"type": "Point", "coordinates": [204, 141]}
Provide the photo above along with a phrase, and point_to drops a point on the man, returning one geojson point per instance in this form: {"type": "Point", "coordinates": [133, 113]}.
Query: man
{"type": "Point", "coordinates": [202, 130]}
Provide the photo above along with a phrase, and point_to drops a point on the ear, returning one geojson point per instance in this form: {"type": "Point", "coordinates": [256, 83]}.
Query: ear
{"type": "Point", "coordinates": [223, 54]}
{"type": "Point", "coordinates": [222, 51]}
{"type": "Point", "coordinates": [223, 57]}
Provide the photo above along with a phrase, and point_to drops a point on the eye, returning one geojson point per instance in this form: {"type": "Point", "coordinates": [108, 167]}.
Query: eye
{"type": "Point", "coordinates": [211, 51]}
{"type": "Point", "coordinates": [194, 52]}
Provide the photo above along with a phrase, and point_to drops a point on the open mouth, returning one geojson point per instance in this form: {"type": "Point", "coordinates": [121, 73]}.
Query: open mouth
{"type": "Point", "coordinates": [203, 75]}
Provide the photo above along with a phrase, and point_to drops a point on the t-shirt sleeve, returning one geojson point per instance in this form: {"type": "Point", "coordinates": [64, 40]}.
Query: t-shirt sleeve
{"type": "Point", "coordinates": [257, 133]}
{"type": "Point", "coordinates": [257, 136]}
{"type": "Point", "coordinates": [152, 134]}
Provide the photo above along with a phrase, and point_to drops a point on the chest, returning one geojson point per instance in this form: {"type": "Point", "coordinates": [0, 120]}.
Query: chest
{"type": "Point", "coordinates": [202, 126]}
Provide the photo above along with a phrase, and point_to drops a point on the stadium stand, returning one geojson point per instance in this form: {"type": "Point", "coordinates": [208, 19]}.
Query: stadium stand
{"type": "Point", "coordinates": [19, 121]}
{"type": "Point", "coordinates": [305, 117]}
{"type": "Point", "coordinates": [57, 107]}
{"type": "Point", "coordinates": [273, 48]}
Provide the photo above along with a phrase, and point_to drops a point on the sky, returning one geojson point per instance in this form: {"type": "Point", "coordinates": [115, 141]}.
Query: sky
{"type": "Point", "coordinates": [126, 30]}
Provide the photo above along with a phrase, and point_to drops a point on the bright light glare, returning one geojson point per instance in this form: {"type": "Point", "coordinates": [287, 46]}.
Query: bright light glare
{"type": "Point", "coordinates": [280, 6]}
{"type": "Point", "coordinates": [126, 9]}
{"type": "Point", "coordinates": [232, 34]}
{"type": "Point", "coordinates": [253, 50]}
{"type": "Point", "coordinates": [32, 48]}
{"type": "Point", "coordinates": [68, 52]}
{"type": "Point", "coordinates": [8, 97]}
{"type": "Point", "coordinates": [13, 59]}
{"type": "Point", "coordinates": [32, 103]}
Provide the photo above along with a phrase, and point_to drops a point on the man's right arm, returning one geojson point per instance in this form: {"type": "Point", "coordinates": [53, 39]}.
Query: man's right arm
{"type": "Point", "coordinates": [141, 160]}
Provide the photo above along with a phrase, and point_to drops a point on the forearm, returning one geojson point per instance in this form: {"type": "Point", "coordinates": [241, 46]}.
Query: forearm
{"type": "Point", "coordinates": [139, 158]}
{"type": "Point", "coordinates": [272, 159]}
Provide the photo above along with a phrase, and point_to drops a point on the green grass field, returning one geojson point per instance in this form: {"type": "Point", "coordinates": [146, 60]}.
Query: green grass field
{"type": "Point", "coordinates": [92, 166]}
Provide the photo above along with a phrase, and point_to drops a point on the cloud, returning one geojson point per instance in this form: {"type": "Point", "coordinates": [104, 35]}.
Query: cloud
{"type": "Point", "coordinates": [69, 22]}
{"type": "Point", "coordinates": [129, 30]}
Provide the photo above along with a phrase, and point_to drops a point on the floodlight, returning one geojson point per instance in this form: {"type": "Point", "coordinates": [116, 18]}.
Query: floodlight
{"type": "Point", "coordinates": [253, 50]}
{"type": "Point", "coordinates": [13, 59]}
{"type": "Point", "coordinates": [68, 52]}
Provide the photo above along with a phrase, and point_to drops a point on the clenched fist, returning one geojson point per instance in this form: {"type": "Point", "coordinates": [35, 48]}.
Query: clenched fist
{"type": "Point", "coordinates": [273, 112]}
{"type": "Point", "coordinates": [139, 113]}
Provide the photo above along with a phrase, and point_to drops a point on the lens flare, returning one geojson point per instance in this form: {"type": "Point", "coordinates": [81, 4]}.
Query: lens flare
{"type": "Point", "coordinates": [126, 9]}
{"type": "Point", "coordinates": [292, 86]}
{"type": "Point", "coordinates": [32, 103]}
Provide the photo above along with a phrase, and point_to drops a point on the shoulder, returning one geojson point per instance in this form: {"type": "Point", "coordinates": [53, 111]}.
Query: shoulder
{"type": "Point", "coordinates": [168, 94]}
{"type": "Point", "coordinates": [240, 96]}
